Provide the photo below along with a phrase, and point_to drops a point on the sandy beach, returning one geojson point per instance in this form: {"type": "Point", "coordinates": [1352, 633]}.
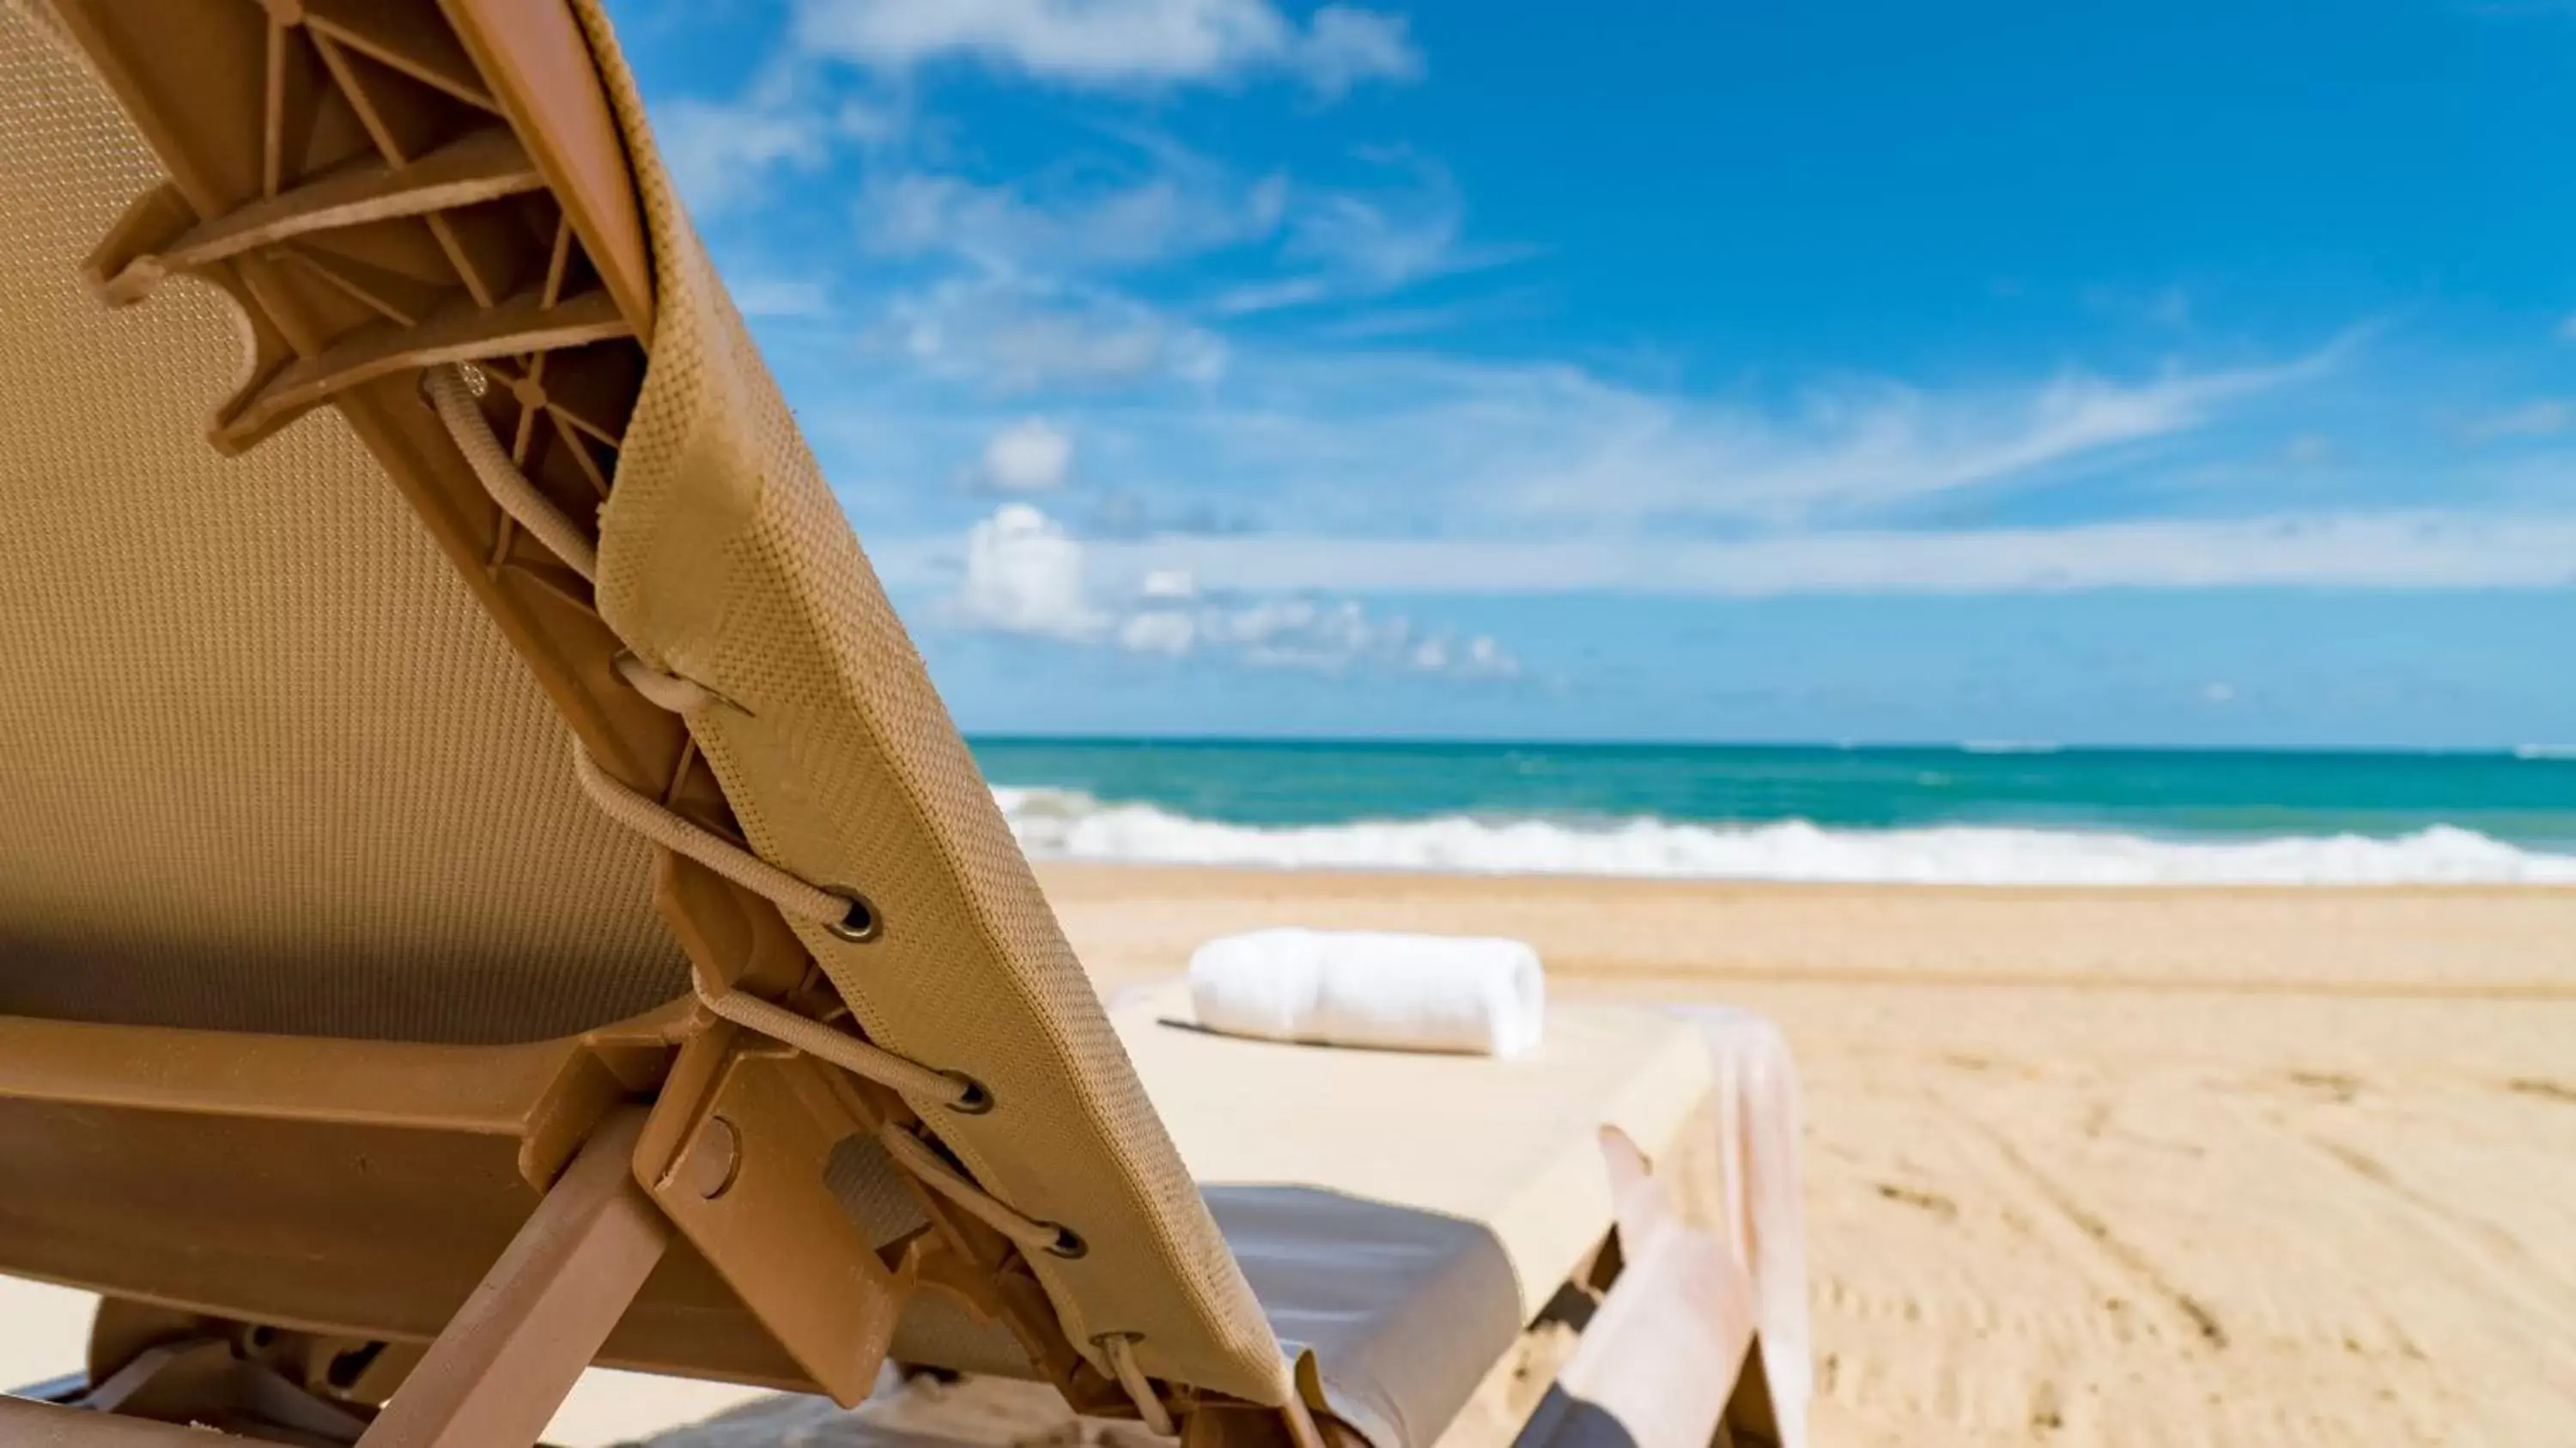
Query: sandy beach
{"type": "Point", "coordinates": [2114, 1167]}
{"type": "Point", "coordinates": [2097, 1167]}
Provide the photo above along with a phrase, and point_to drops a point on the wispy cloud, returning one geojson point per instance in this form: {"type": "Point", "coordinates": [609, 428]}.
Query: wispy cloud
{"type": "Point", "coordinates": [2412, 549]}
{"type": "Point", "coordinates": [1152, 204]}
{"type": "Point", "coordinates": [1006, 335]}
{"type": "Point", "coordinates": [1368, 242]}
{"type": "Point", "coordinates": [1184, 207]}
{"type": "Point", "coordinates": [1117, 43]}
{"type": "Point", "coordinates": [799, 297]}
{"type": "Point", "coordinates": [2547, 417]}
{"type": "Point", "coordinates": [1858, 446]}
{"type": "Point", "coordinates": [721, 154]}
{"type": "Point", "coordinates": [1363, 440]}
{"type": "Point", "coordinates": [726, 155]}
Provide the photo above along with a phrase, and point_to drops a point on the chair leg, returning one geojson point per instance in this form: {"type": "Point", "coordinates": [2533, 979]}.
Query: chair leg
{"type": "Point", "coordinates": [508, 1357]}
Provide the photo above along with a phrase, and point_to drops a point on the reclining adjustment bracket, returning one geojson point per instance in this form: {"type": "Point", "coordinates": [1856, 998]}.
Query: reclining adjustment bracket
{"type": "Point", "coordinates": [736, 1154]}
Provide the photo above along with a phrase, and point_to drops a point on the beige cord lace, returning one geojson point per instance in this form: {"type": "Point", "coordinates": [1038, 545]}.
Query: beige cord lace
{"type": "Point", "coordinates": [915, 1155]}
{"type": "Point", "coordinates": [858, 1057]}
{"type": "Point", "coordinates": [1120, 1349]}
{"type": "Point", "coordinates": [845, 915]}
{"type": "Point", "coordinates": [669, 691]}
{"type": "Point", "coordinates": [501, 477]}
{"type": "Point", "coordinates": [649, 819]}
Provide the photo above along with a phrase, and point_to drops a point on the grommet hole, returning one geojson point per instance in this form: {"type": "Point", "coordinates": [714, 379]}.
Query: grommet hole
{"type": "Point", "coordinates": [860, 923]}
{"type": "Point", "coordinates": [974, 1098]}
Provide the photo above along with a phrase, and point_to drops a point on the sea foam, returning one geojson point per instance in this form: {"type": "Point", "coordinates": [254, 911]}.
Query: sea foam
{"type": "Point", "coordinates": [1070, 825]}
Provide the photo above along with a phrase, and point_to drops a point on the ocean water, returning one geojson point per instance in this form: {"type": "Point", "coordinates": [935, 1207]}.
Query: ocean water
{"type": "Point", "coordinates": [1997, 815]}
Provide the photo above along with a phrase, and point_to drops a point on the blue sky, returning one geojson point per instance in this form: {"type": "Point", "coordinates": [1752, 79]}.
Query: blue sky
{"type": "Point", "coordinates": [2173, 373]}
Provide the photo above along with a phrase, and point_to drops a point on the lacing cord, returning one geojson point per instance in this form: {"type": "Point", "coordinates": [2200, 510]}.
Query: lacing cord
{"type": "Point", "coordinates": [1030, 1235]}
{"type": "Point", "coordinates": [844, 914]}
{"type": "Point", "coordinates": [501, 477]}
{"type": "Point", "coordinates": [848, 916]}
{"type": "Point", "coordinates": [916, 1156]}
{"type": "Point", "coordinates": [959, 1091]}
{"type": "Point", "coordinates": [1120, 1349]}
{"type": "Point", "coordinates": [669, 691]}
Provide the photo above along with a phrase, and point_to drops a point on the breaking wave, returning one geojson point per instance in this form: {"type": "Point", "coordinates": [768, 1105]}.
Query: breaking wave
{"type": "Point", "coordinates": [1070, 825]}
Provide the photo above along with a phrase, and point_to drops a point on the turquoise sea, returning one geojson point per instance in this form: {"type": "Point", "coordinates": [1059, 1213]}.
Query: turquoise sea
{"type": "Point", "coordinates": [1969, 814]}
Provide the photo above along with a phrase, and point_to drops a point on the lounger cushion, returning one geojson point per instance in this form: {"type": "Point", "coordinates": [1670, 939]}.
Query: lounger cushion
{"type": "Point", "coordinates": [1403, 1215]}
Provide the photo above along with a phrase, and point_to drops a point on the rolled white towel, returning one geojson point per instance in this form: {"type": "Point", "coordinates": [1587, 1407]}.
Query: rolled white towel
{"type": "Point", "coordinates": [1472, 995]}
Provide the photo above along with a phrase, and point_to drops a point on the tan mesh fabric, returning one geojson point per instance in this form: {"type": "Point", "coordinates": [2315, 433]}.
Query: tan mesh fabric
{"type": "Point", "coordinates": [724, 559]}
{"type": "Point", "coordinates": [265, 765]}
{"type": "Point", "coordinates": [863, 1179]}
{"type": "Point", "coordinates": [936, 1332]}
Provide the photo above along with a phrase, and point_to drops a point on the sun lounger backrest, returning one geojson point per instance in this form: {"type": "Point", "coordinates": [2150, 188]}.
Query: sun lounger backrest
{"type": "Point", "coordinates": [264, 763]}
{"type": "Point", "coordinates": [725, 560]}
{"type": "Point", "coordinates": [273, 770]}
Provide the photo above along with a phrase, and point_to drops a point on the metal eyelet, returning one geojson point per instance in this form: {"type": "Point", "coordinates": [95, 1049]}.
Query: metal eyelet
{"type": "Point", "coordinates": [1068, 1244]}
{"type": "Point", "coordinates": [860, 923]}
{"type": "Point", "coordinates": [974, 1098]}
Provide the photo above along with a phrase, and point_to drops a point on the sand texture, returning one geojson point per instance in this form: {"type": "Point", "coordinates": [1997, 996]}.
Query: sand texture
{"type": "Point", "coordinates": [2112, 1167]}
{"type": "Point", "coordinates": [2124, 1167]}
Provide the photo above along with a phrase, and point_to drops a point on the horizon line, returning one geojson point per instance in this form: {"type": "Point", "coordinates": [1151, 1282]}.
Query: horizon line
{"type": "Point", "coordinates": [2527, 753]}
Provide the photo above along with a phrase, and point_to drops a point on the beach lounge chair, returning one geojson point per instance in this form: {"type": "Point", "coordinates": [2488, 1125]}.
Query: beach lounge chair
{"type": "Point", "coordinates": [487, 887]}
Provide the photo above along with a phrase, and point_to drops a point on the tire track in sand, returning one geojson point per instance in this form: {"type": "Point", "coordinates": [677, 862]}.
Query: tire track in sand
{"type": "Point", "coordinates": [2202, 1324]}
{"type": "Point", "coordinates": [2482, 1247]}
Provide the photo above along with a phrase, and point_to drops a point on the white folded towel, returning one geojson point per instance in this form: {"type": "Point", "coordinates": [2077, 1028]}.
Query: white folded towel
{"type": "Point", "coordinates": [1466, 994]}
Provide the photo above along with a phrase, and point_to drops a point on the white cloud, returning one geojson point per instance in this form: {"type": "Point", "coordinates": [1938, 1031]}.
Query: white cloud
{"type": "Point", "coordinates": [2545, 418]}
{"type": "Point", "coordinates": [1185, 207]}
{"type": "Point", "coordinates": [1271, 296]}
{"type": "Point", "coordinates": [723, 155]}
{"type": "Point", "coordinates": [1024, 576]}
{"type": "Point", "coordinates": [1388, 239]}
{"type": "Point", "coordinates": [1031, 455]}
{"type": "Point", "coordinates": [1367, 243]}
{"type": "Point", "coordinates": [756, 296]}
{"type": "Point", "coordinates": [2366, 550]}
{"type": "Point", "coordinates": [1338, 636]}
{"type": "Point", "coordinates": [1345, 45]}
{"type": "Point", "coordinates": [1168, 632]}
{"type": "Point", "coordinates": [1862, 445]}
{"type": "Point", "coordinates": [1167, 203]}
{"type": "Point", "coordinates": [1381, 441]}
{"type": "Point", "coordinates": [718, 154]}
{"type": "Point", "coordinates": [1011, 335]}
{"type": "Point", "coordinates": [1115, 43]}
